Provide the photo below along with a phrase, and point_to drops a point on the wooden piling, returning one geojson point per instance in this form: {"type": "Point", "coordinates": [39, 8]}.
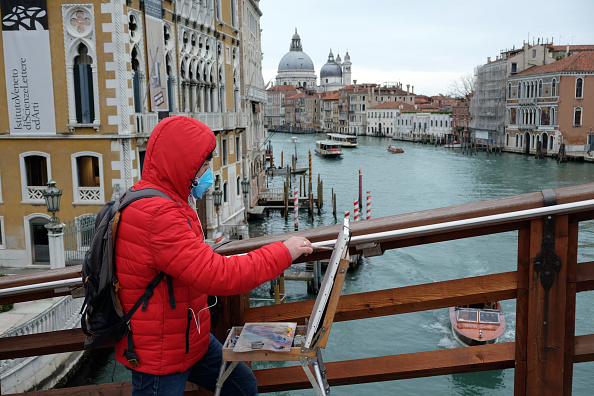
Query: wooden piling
{"type": "Point", "coordinates": [286, 197]}
{"type": "Point", "coordinates": [333, 203]}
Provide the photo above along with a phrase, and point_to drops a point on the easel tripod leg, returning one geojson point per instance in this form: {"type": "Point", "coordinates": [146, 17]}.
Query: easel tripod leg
{"type": "Point", "coordinates": [223, 375]}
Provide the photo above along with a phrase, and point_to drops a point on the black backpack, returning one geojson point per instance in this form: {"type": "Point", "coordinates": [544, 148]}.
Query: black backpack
{"type": "Point", "coordinates": [103, 319]}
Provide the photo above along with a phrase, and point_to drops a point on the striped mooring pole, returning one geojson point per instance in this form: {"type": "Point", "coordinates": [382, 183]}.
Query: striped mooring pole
{"type": "Point", "coordinates": [356, 211]}
{"type": "Point", "coordinates": [296, 207]}
{"type": "Point", "coordinates": [368, 205]}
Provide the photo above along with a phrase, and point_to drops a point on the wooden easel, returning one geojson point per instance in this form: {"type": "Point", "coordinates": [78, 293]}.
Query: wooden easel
{"type": "Point", "coordinates": [309, 339]}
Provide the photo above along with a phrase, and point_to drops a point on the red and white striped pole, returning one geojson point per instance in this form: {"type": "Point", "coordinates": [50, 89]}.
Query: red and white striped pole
{"type": "Point", "coordinates": [356, 211]}
{"type": "Point", "coordinates": [347, 215]}
{"type": "Point", "coordinates": [368, 204]}
{"type": "Point", "coordinates": [296, 207]}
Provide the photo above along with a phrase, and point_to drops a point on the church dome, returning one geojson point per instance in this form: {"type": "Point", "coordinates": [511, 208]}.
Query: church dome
{"type": "Point", "coordinates": [296, 59]}
{"type": "Point", "coordinates": [331, 68]}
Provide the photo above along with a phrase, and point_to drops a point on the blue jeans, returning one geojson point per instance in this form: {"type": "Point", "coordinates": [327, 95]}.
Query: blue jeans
{"type": "Point", "coordinates": [204, 373]}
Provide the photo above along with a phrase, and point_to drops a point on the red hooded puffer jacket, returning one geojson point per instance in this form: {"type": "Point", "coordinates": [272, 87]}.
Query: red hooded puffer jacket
{"type": "Point", "coordinates": [156, 234]}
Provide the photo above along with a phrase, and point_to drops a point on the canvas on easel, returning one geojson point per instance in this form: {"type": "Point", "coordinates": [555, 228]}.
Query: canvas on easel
{"type": "Point", "coordinates": [270, 341]}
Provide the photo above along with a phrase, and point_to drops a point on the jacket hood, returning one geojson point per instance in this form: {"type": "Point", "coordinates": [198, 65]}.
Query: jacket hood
{"type": "Point", "coordinates": [177, 148]}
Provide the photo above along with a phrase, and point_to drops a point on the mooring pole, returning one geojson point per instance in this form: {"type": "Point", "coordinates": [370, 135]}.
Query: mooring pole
{"type": "Point", "coordinates": [360, 188]}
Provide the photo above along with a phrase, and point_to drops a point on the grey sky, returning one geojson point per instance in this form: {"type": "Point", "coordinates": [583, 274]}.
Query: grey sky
{"type": "Point", "coordinates": [425, 44]}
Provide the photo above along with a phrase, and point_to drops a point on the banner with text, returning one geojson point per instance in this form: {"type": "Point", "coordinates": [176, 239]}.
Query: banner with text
{"type": "Point", "coordinates": [27, 66]}
{"type": "Point", "coordinates": [155, 45]}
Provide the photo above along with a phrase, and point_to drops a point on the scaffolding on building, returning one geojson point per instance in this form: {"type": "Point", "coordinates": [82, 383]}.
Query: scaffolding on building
{"type": "Point", "coordinates": [487, 105]}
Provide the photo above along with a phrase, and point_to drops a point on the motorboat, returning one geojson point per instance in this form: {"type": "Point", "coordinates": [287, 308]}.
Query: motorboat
{"type": "Point", "coordinates": [343, 140]}
{"type": "Point", "coordinates": [395, 150]}
{"type": "Point", "coordinates": [477, 324]}
{"type": "Point", "coordinates": [284, 170]}
{"type": "Point", "coordinates": [328, 149]}
{"type": "Point", "coordinates": [455, 144]}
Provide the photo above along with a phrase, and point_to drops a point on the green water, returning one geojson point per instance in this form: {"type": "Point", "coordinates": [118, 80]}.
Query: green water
{"type": "Point", "coordinates": [424, 177]}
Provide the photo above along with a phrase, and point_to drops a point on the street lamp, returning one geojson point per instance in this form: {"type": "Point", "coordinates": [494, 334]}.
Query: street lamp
{"type": "Point", "coordinates": [54, 228]}
{"type": "Point", "coordinates": [245, 188]}
{"type": "Point", "coordinates": [217, 196]}
{"type": "Point", "coordinates": [52, 197]}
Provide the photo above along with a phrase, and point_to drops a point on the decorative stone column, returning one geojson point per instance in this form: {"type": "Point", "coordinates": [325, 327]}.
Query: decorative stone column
{"type": "Point", "coordinates": [55, 233]}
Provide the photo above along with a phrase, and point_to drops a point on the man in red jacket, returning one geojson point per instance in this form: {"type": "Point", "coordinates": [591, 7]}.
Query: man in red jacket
{"type": "Point", "coordinates": [171, 338]}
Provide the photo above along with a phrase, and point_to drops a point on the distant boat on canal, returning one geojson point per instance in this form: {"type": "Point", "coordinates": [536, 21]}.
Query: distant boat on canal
{"type": "Point", "coordinates": [343, 140]}
{"type": "Point", "coordinates": [283, 171]}
{"type": "Point", "coordinates": [328, 149]}
{"type": "Point", "coordinates": [477, 324]}
{"type": "Point", "coordinates": [455, 144]}
{"type": "Point", "coordinates": [395, 150]}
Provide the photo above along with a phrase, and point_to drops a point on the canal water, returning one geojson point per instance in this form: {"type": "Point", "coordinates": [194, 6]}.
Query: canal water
{"type": "Point", "coordinates": [423, 177]}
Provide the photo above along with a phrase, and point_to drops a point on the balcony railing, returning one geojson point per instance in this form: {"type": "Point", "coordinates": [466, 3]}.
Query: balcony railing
{"type": "Point", "coordinates": [256, 94]}
{"type": "Point", "coordinates": [146, 122]}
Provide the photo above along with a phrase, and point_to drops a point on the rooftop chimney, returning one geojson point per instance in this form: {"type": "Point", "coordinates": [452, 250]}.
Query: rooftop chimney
{"type": "Point", "coordinates": [407, 88]}
{"type": "Point", "coordinates": [488, 59]}
{"type": "Point", "coordinates": [413, 89]}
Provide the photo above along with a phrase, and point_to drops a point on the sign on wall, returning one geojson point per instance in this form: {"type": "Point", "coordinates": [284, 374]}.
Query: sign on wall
{"type": "Point", "coordinates": [27, 67]}
{"type": "Point", "coordinates": [156, 55]}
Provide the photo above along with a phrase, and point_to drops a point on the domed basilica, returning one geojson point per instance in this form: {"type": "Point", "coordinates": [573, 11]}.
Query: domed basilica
{"type": "Point", "coordinates": [296, 68]}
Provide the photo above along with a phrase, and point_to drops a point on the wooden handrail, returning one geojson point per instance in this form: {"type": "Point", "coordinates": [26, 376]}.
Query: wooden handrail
{"type": "Point", "coordinates": [535, 335]}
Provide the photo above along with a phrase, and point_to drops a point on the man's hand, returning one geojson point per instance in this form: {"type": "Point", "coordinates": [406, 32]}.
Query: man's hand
{"type": "Point", "coordinates": [298, 246]}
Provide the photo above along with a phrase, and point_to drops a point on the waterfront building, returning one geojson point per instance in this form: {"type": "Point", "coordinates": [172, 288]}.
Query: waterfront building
{"type": "Point", "coordinates": [416, 124]}
{"type": "Point", "coordinates": [382, 119]}
{"type": "Point", "coordinates": [98, 78]}
{"type": "Point", "coordinates": [328, 108]}
{"type": "Point", "coordinates": [254, 98]}
{"type": "Point", "coordinates": [295, 67]}
{"type": "Point", "coordinates": [275, 110]}
{"type": "Point", "coordinates": [551, 105]}
{"type": "Point", "coordinates": [487, 106]}
{"type": "Point", "coordinates": [460, 119]}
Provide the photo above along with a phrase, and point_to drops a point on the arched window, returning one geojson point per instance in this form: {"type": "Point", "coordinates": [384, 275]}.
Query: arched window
{"type": "Point", "coordinates": [554, 87]}
{"type": "Point", "coordinates": [519, 90]}
{"type": "Point", "coordinates": [87, 177]}
{"type": "Point", "coordinates": [577, 116]}
{"type": "Point", "coordinates": [553, 116]}
{"type": "Point", "coordinates": [509, 91]}
{"type": "Point", "coordinates": [238, 186]}
{"type": "Point", "coordinates": [579, 82]}
{"type": "Point", "coordinates": [35, 173]}
{"type": "Point", "coordinates": [540, 88]}
{"type": "Point", "coordinates": [226, 192]}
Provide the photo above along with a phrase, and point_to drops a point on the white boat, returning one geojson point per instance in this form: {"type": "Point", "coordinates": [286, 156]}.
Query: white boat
{"type": "Point", "coordinates": [455, 144]}
{"type": "Point", "coordinates": [343, 140]}
{"type": "Point", "coordinates": [328, 149]}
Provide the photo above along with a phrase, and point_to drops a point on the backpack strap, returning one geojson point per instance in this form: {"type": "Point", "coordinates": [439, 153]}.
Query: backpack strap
{"type": "Point", "coordinates": [143, 300]}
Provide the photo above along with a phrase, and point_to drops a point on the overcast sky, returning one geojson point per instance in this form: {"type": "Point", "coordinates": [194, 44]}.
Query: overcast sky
{"type": "Point", "coordinates": [427, 44]}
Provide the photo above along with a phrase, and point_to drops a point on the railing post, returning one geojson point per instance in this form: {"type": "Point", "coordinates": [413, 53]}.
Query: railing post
{"type": "Point", "coordinates": [547, 332]}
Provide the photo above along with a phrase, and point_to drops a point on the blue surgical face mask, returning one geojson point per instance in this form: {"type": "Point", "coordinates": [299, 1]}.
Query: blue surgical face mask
{"type": "Point", "coordinates": [202, 184]}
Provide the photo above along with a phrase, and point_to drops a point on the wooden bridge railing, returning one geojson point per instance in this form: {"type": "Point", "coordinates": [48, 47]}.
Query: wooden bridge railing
{"type": "Point", "coordinates": [544, 284]}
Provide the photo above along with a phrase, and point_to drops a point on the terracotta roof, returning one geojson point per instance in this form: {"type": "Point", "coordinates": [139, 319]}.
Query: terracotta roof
{"type": "Point", "coordinates": [283, 88]}
{"type": "Point", "coordinates": [294, 96]}
{"type": "Point", "coordinates": [330, 96]}
{"type": "Point", "coordinates": [393, 105]}
{"type": "Point", "coordinates": [584, 61]}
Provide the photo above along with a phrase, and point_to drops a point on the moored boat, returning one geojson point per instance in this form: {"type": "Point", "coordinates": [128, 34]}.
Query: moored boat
{"type": "Point", "coordinates": [455, 144]}
{"type": "Point", "coordinates": [477, 324]}
{"type": "Point", "coordinates": [283, 171]}
{"type": "Point", "coordinates": [395, 150]}
{"type": "Point", "coordinates": [343, 140]}
{"type": "Point", "coordinates": [328, 149]}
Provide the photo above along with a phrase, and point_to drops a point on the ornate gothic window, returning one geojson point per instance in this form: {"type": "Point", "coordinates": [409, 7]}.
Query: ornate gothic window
{"type": "Point", "coordinates": [81, 65]}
